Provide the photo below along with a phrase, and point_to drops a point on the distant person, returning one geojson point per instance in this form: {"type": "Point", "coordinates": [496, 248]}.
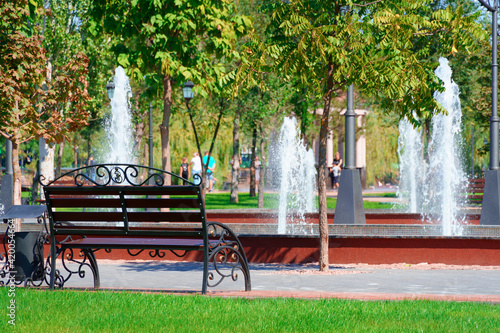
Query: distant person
{"type": "Point", "coordinates": [184, 171]}
{"type": "Point", "coordinates": [335, 170]}
{"type": "Point", "coordinates": [196, 168]}
{"type": "Point", "coordinates": [257, 169]}
{"type": "Point", "coordinates": [210, 163]}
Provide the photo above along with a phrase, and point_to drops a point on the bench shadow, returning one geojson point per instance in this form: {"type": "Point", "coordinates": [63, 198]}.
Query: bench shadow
{"type": "Point", "coordinates": [192, 266]}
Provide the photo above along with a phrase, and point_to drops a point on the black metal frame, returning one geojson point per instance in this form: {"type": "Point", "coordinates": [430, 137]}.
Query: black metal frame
{"type": "Point", "coordinates": [39, 274]}
{"type": "Point", "coordinates": [115, 174]}
{"type": "Point", "coordinates": [223, 254]}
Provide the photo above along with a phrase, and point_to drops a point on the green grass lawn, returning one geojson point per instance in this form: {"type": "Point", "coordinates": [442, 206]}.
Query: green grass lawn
{"type": "Point", "coordinates": [107, 311]}
{"type": "Point", "coordinates": [271, 201]}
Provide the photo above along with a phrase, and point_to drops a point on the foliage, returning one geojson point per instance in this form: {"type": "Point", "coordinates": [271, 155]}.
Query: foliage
{"type": "Point", "coordinates": [329, 45]}
{"type": "Point", "coordinates": [170, 42]}
{"type": "Point", "coordinates": [32, 106]}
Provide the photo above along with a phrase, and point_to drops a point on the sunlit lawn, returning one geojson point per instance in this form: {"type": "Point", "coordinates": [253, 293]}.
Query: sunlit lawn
{"type": "Point", "coordinates": [108, 311]}
{"type": "Point", "coordinates": [271, 201]}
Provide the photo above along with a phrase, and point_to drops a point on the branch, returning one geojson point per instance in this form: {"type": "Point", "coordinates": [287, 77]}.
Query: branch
{"type": "Point", "coordinates": [487, 5]}
{"type": "Point", "coordinates": [368, 4]}
{"type": "Point", "coordinates": [430, 33]}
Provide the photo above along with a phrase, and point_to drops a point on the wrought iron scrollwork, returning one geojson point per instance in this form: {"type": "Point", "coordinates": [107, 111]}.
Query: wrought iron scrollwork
{"type": "Point", "coordinates": [115, 174]}
{"type": "Point", "coordinates": [7, 268]}
{"type": "Point", "coordinates": [226, 256]}
{"type": "Point", "coordinates": [73, 266]}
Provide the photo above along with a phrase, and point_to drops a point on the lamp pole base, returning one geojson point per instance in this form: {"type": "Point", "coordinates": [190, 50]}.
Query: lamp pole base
{"type": "Point", "coordinates": [350, 209]}
{"type": "Point", "coordinates": [6, 193]}
{"type": "Point", "coordinates": [490, 211]}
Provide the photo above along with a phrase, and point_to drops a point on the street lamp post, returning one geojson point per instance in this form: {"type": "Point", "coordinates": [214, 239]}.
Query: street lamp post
{"type": "Point", "coordinates": [150, 135]}
{"type": "Point", "coordinates": [350, 209]}
{"type": "Point", "coordinates": [490, 211]}
{"type": "Point", "coordinates": [188, 93]}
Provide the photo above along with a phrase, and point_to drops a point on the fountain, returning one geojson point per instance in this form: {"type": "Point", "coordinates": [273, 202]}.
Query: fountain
{"type": "Point", "coordinates": [297, 174]}
{"type": "Point", "coordinates": [433, 188]}
{"type": "Point", "coordinates": [385, 239]}
{"type": "Point", "coordinates": [411, 167]}
{"type": "Point", "coordinates": [119, 125]}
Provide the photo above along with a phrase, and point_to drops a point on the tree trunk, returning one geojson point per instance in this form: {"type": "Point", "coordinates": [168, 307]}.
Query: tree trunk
{"type": "Point", "coordinates": [75, 152]}
{"type": "Point", "coordinates": [140, 127]}
{"type": "Point", "coordinates": [235, 169]}
{"type": "Point", "coordinates": [59, 158]}
{"type": "Point", "coordinates": [165, 127]}
{"type": "Point", "coordinates": [16, 199]}
{"type": "Point", "coordinates": [252, 162]}
{"type": "Point", "coordinates": [323, 136]}
{"type": "Point", "coordinates": [46, 155]}
{"type": "Point", "coordinates": [46, 152]}
{"type": "Point", "coordinates": [262, 171]}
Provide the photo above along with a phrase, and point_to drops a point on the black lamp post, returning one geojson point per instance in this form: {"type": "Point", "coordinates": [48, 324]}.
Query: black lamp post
{"type": "Point", "coordinates": [150, 135]}
{"type": "Point", "coordinates": [188, 93]}
{"type": "Point", "coordinates": [350, 209]}
{"type": "Point", "coordinates": [490, 211]}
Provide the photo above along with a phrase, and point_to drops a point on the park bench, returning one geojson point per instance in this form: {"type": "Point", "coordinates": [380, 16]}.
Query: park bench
{"type": "Point", "coordinates": [119, 210]}
{"type": "Point", "coordinates": [475, 190]}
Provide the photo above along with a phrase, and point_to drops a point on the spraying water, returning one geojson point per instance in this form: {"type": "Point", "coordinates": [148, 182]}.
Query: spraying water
{"type": "Point", "coordinates": [119, 125]}
{"type": "Point", "coordinates": [446, 176]}
{"type": "Point", "coordinates": [411, 167]}
{"type": "Point", "coordinates": [297, 180]}
{"type": "Point", "coordinates": [434, 189]}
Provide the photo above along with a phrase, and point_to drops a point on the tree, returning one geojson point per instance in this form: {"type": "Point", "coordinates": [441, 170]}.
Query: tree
{"type": "Point", "coordinates": [329, 45]}
{"type": "Point", "coordinates": [171, 42]}
{"type": "Point", "coordinates": [31, 106]}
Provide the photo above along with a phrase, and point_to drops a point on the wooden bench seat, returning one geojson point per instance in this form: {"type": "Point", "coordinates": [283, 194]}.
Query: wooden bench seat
{"type": "Point", "coordinates": [131, 215]}
{"type": "Point", "coordinates": [475, 190]}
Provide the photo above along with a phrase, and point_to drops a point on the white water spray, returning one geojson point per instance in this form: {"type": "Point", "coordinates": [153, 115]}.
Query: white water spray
{"type": "Point", "coordinates": [446, 176]}
{"type": "Point", "coordinates": [412, 166]}
{"type": "Point", "coordinates": [436, 194]}
{"type": "Point", "coordinates": [119, 126]}
{"type": "Point", "coordinates": [297, 180]}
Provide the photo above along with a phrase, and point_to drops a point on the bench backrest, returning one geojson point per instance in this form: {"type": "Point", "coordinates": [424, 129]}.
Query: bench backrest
{"type": "Point", "coordinates": [126, 209]}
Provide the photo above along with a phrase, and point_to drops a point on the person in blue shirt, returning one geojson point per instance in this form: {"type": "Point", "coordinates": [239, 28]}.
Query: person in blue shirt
{"type": "Point", "coordinates": [210, 170]}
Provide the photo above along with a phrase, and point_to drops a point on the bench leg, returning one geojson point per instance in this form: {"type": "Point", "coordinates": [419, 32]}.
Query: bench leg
{"type": "Point", "coordinates": [204, 285]}
{"type": "Point", "coordinates": [94, 268]}
{"type": "Point", "coordinates": [52, 263]}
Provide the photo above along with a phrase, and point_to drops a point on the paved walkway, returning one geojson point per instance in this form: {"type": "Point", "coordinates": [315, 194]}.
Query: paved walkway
{"type": "Point", "coordinates": [363, 282]}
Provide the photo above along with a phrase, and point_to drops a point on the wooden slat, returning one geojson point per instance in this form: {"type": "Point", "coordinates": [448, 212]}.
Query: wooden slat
{"type": "Point", "coordinates": [132, 216]}
{"type": "Point", "coordinates": [88, 216]}
{"type": "Point", "coordinates": [117, 232]}
{"type": "Point", "coordinates": [164, 217]}
{"type": "Point", "coordinates": [137, 243]}
{"type": "Point", "coordinates": [85, 202]}
{"type": "Point", "coordinates": [163, 203]}
{"type": "Point", "coordinates": [114, 190]}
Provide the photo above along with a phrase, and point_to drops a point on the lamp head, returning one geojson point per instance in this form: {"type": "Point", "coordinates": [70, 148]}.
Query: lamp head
{"type": "Point", "coordinates": [187, 90]}
{"type": "Point", "coordinates": [110, 87]}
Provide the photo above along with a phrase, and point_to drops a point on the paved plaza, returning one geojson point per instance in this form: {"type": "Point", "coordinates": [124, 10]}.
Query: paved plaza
{"type": "Point", "coordinates": [364, 282]}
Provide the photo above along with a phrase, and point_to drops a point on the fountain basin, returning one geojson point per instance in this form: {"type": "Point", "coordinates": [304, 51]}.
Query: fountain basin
{"type": "Point", "coordinates": [268, 217]}
{"type": "Point", "coordinates": [373, 243]}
